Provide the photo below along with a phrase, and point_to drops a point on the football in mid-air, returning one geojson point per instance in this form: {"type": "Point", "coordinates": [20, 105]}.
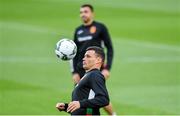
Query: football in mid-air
{"type": "Point", "coordinates": [66, 49]}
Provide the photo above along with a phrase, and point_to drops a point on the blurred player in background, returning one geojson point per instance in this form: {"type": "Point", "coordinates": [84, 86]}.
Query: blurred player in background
{"type": "Point", "coordinates": [91, 33]}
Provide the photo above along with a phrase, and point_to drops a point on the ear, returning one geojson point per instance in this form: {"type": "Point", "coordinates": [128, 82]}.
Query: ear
{"type": "Point", "coordinates": [93, 15]}
{"type": "Point", "coordinates": [99, 60]}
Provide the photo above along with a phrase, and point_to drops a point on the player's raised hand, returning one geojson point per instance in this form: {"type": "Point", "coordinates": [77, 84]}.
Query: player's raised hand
{"type": "Point", "coordinates": [76, 78]}
{"type": "Point", "coordinates": [106, 73]}
{"type": "Point", "coordinates": [72, 106]}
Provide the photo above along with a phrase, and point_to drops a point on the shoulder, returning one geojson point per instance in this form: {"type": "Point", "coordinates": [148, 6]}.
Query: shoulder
{"type": "Point", "coordinates": [79, 27]}
{"type": "Point", "coordinates": [96, 75]}
{"type": "Point", "coordinates": [99, 24]}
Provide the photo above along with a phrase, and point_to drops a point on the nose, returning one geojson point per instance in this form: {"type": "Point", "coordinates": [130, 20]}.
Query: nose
{"type": "Point", "coordinates": [84, 59]}
{"type": "Point", "coordinates": [82, 15]}
{"type": "Point", "coordinates": [81, 12]}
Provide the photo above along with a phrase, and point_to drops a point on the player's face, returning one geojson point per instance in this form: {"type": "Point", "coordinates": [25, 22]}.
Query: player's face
{"type": "Point", "coordinates": [89, 60]}
{"type": "Point", "coordinates": [86, 14]}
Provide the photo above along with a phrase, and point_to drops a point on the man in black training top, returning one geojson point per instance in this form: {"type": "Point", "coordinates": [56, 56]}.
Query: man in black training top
{"type": "Point", "coordinates": [90, 94]}
{"type": "Point", "coordinates": [91, 33]}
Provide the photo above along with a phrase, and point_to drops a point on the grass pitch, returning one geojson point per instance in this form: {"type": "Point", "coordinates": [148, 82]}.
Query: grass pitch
{"type": "Point", "coordinates": [145, 73]}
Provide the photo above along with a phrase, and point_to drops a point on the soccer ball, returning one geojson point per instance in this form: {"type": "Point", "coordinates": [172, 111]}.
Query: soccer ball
{"type": "Point", "coordinates": [66, 49]}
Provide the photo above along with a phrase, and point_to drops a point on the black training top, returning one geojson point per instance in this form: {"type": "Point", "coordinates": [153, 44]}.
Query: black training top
{"type": "Point", "coordinates": [95, 34]}
{"type": "Point", "coordinates": [91, 92]}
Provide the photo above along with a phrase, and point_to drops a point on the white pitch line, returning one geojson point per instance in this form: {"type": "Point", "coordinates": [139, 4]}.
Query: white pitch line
{"type": "Point", "coordinates": [138, 59]}
{"type": "Point", "coordinates": [24, 59]}
{"type": "Point", "coordinates": [40, 29]}
{"type": "Point", "coordinates": [144, 6]}
{"type": "Point", "coordinates": [149, 44]}
{"type": "Point", "coordinates": [29, 27]}
{"type": "Point", "coordinates": [151, 59]}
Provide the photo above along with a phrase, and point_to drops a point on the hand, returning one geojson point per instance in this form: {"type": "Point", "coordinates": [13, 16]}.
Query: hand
{"type": "Point", "coordinates": [76, 78]}
{"type": "Point", "coordinates": [60, 106]}
{"type": "Point", "coordinates": [106, 73]}
{"type": "Point", "coordinates": [72, 106]}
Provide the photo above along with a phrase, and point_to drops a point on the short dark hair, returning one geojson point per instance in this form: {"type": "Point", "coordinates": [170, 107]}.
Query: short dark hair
{"type": "Point", "coordinates": [99, 51]}
{"type": "Point", "coordinates": [89, 6]}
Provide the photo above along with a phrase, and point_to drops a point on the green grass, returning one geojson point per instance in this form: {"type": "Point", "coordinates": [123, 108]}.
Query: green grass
{"type": "Point", "coordinates": [145, 73]}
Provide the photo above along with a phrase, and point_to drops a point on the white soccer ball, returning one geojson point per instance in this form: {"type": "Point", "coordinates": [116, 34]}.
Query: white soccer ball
{"type": "Point", "coordinates": [66, 49]}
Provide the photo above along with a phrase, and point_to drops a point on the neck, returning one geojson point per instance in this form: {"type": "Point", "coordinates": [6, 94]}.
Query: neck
{"type": "Point", "coordinates": [95, 67]}
{"type": "Point", "coordinates": [88, 23]}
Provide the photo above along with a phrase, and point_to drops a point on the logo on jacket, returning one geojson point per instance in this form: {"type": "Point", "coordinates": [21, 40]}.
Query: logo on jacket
{"type": "Point", "coordinates": [93, 29]}
{"type": "Point", "coordinates": [79, 32]}
{"type": "Point", "coordinates": [86, 38]}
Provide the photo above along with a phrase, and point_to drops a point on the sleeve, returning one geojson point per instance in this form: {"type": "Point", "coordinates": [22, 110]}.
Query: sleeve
{"type": "Point", "coordinates": [101, 98]}
{"type": "Point", "coordinates": [75, 59]}
{"type": "Point", "coordinates": [108, 44]}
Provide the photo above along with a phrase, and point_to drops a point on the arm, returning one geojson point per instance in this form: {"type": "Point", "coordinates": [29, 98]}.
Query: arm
{"type": "Point", "coordinates": [101, 98]}
{"type": "Point", "coordinates": [97, 83]}
{"type": "Point", "coordinates": [76, 78]}
{"type": "Point", "coordinates": [74, 61]}
{"type": "Point", "coordinates": [108, 43]}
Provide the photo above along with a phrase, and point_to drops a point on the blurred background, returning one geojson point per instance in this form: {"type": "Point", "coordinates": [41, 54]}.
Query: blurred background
{"type": "Point", "coordinates": [145, 73]}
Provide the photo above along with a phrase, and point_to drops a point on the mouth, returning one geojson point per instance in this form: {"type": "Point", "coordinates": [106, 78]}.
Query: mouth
{"type": "Point", "coordinates": [84, 63]}
{"type": "Point", "coordinates": [84, 18]}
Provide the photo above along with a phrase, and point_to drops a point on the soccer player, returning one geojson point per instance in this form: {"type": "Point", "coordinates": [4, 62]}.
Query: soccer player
{"type": "Point", "coordinates": [91, 33]}
{"type": "Point", "coordinates": [90, 94]}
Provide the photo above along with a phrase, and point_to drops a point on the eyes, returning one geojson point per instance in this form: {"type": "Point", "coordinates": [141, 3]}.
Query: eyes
{"type": "Point", "coordinates": [87, 56]}
{"type": "Point", "coordinates": [85, 11]}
